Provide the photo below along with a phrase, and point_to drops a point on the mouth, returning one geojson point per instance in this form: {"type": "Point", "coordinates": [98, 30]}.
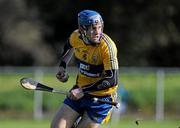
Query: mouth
{"type": "Point", "coordinates": [96, 37]}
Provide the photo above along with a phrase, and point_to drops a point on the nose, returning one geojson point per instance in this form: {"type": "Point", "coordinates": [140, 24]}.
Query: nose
{"type": "Point", "coordinates": [97, 30]}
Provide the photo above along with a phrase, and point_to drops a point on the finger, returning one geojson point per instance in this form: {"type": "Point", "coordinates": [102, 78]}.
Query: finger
{"type": "Point", "coordinates": [58, 77]}
{"type": "Point", "coordinates": [60, 74]}
{"type": "Point", "coordinates": [64, 77]}
{"type": "Point", "coordinates": [72, 96]}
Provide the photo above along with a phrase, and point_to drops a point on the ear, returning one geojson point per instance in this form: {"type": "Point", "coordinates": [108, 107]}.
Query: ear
{"type": "Point", "coordinates": [83, 27]}
{"type": "Point", "coordinates": [80, 28]}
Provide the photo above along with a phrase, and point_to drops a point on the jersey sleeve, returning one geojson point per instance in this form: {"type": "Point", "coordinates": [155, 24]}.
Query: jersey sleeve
{"type": "Point", "coordinates": [68, 49]}
{"type": "Point", "coordinates": [109, 54]}
{"type": "Point", "coordinates": [110, 80]}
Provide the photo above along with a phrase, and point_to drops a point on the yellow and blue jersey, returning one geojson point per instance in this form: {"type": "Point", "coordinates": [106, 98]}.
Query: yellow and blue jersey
{"type": "Point", "coordinates": [93, 60]}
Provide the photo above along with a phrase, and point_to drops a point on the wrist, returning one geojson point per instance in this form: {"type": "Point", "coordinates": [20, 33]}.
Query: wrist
{"type": "Point", "coordinates": [62, 64]}
{"type": "Point", "coordinates": [84, 90]}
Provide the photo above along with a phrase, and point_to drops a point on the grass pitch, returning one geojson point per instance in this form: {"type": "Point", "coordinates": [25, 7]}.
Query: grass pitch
{"type": "Point", "coordinates": [120, 124]}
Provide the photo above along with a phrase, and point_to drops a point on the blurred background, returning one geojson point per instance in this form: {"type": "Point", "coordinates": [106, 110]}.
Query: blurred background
{"type": "Point", "coordinates": [147, 35]}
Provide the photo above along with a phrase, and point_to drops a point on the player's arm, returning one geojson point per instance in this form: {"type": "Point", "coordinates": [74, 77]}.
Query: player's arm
{"type": "Point", "coordinates": [110, 63]}
{"type": "Point", "coordinates": [65, 58]}
{"type": "Point", "coordinates": [109, 80]}
{"type": "Point", "coordinates": [66, 55]}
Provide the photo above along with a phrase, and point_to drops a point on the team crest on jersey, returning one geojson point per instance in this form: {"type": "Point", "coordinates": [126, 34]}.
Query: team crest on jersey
{"type": "Point", "coordinates": [94, 58]}
{"type": "Point", "coordinates": [85, 53]}
{"type": "Point", "coordinates": [85, 56]}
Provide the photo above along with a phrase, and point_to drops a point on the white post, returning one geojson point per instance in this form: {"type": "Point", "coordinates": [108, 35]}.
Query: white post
{"type": "Point", "coordinates": [160, 95]}
{"type": "Point", "coordinates": [38, 96]}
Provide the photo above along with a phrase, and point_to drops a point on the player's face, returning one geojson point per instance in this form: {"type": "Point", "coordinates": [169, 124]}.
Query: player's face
{"type": "Point", "coordinates": [94, 32]}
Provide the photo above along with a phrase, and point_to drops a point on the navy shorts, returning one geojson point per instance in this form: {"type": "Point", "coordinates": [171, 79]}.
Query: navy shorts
{"type": "Point", "coordinates": [98, 112]}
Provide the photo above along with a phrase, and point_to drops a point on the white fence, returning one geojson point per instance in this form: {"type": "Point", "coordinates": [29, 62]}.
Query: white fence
{"type": "Point", "coordinates": [40, 71]}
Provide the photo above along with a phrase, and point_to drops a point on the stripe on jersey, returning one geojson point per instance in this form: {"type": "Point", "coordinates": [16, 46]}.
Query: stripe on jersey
{"type": "Point", "coordinates": [111, 51]}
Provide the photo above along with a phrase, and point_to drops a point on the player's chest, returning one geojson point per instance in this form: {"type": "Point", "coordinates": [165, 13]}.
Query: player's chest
{"type": "Point", "coordinates": [89, 55]}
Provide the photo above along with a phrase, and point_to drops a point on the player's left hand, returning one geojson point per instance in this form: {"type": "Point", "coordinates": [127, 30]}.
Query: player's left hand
{"type": "Point", "coordinates": [62, 75]}
{"type": "Point", "coordinates": [76, 94]}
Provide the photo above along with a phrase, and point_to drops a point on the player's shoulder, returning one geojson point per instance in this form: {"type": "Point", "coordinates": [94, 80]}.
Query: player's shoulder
{"type": "Point", "coordinates": [106, 41]}
{"type": "Point", "coordinates": [75, 38]}
{"type": "Point", "coordinates": [75, 34]}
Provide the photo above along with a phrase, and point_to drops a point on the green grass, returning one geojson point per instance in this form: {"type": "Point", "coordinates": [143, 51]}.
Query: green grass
{"type": "Point", "coordinates": [121, 124]}
{"type": "Point", "coordinates": [146, 124]}
{"type": "Point", "coordinates": [141, 88]}
{"type": "Point", "coordinates": [24, 124]}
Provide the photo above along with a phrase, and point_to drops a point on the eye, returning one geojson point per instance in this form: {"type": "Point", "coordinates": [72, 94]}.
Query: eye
{"type": "Point", "coordinates": [99, 27]}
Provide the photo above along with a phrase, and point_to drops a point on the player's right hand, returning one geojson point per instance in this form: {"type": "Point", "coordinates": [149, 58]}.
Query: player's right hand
{"type": "Point", "coordinates": [62, 75]}
{"type": "Point", "coordinates": [76, 94]}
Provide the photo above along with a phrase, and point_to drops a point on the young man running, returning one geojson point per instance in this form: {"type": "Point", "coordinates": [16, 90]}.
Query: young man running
{"type": "Point", "coordinates": [96, 57]}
